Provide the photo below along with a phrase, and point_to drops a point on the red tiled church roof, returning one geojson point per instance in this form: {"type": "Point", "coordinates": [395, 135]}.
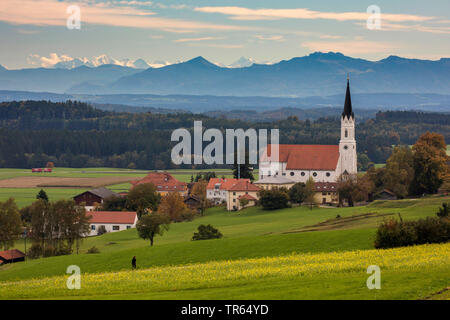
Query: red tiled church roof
{"type": "Point", "coordinates": [118, 217]}
{"type": "Point", "coordinates": [162, 181]}
{"type": "Point", "coordinates": [307, 157]}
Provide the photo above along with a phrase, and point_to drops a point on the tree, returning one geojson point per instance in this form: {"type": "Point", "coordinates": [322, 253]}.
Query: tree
{"type": "Point", "coordinates": [399, 171]}
{"type": "Point", "coordinates": [354, 188]}
{"type": "Point", "coordinates": [143, 197]}
{"type": "Point", "coordinates": [114, 203]}
{"type": "Point", "coordinates": [10, 223]}
{"type": "Point", "coordinates": [173, 206]}
{"type": "Point", "coordinates": [206, 232]}
{"type": "Point", "coordinates": [430, 163]}
{"type": "Point", "coordinates": [310, 192]}
{"type": "Point", "coordinates": [245, 170]}
{"type": "Point", "coordinates": [199, 191]}
{"type": "Point", "coordinates": [152, 224]}
{"type": "Point", "coordinates": [57, 226]}
{"type": "Point", "coordinates": [297, 193]}
{"type": "Point", "coordinates": [42, 195]}
{"type": "Point", "coordinates": [274, 198]}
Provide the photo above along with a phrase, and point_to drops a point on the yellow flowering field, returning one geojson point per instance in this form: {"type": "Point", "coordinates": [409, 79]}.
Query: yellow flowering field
{"type": "Point", "coordinates": [231, 273]}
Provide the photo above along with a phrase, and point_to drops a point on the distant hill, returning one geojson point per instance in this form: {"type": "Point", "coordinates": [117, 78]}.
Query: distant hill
{"type": "Point", "coordinates": [224, 104]}
{"type": "Point", "coordinates": [318, 74]}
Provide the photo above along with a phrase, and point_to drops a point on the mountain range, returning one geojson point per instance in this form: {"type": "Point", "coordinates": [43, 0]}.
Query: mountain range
{"type": "Point", "coordinates": [318, 74]}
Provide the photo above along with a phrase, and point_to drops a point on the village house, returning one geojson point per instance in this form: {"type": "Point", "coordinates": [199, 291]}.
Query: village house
{"type": "Point", "coordinates": [217, 189]}
{"type": "Point", "coordinates": [164, 183]}
{"type": "Point", "coordinates": [243, 189]}
{"type": "Point", "coordinates": [326, 193]}
{"type": "Point", "coordinates": [11, 256]}
{"type": "Point", "coordinates": [113, 221]}
{"type": "Point", "coordinates": [92, 198]}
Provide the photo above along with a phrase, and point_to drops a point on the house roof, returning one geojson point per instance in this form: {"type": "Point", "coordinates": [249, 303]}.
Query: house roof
{"type": "Point", "coordinates": [306, 157]}
{"type": "Point", "coordinates": [325, 186]}
{"type": "Point", "coordinates": [243, 185]}
{"type": "Point", "coordinates": [248, 197]}
{"type": "Point", "coordinates": [274, 180]}
{"type": "Point", "coordinates": [163, 181]}
{"type": "Point", "coordinates": [108, 217]}
{"type": "Point", "coordinates": [225, 184]}
{"type": "Point", "coordinates": [10, 254]}
{"type": "Point", "coordinates": [101, 192]}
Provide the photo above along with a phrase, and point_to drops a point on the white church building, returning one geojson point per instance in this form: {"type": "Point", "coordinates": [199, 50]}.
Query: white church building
{"type": "Point", "coordinates": [324, 163]}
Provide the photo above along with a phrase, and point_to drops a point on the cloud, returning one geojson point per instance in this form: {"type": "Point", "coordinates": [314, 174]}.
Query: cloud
{"type": "Point", "coordinates": [241, 13]}
{"type": "Point", "coordinates": [349, 47]}
{"type": "Point", "coordinates": [197, 39]}
{"type": "Point", "coordinates": [327, 36]}
{"type": "Point", "coordinates": [53, 13]}
{"type": "Point", "coordinates": [270, 38]}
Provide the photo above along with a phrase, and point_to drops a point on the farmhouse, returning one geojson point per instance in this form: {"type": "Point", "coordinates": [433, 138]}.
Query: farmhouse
{"type": "Point", "coordinates": [326, 193]}
{"type": "Point", "coordinates": [93, 197]}
{"type": "Point", "coordinates": [217, 189]}
{"type": "Point", "coordinates": [11, 256]}
{"type": "Point", "coordinates": [112, 221]}
{"type": "Point", "coordinates": [324, 163]}
{"type": "Point", "coordinates": [242, 190]}
{"type": "Point", "coordinates": [164, 183]}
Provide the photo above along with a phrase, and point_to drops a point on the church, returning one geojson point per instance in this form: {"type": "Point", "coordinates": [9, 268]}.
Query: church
{"type": "Point", "coordinates": [324, 163]}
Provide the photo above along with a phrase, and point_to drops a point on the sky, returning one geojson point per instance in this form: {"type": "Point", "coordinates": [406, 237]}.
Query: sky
{"type": "Point", "coordinates": [34, 33]}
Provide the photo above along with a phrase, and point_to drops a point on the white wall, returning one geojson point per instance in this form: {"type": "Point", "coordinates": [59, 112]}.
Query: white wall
{"type": "Point", "coordinates": [109, 227]}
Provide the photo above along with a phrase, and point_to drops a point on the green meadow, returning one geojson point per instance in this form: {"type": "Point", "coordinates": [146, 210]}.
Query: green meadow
{"type": "Point", "coordinates": [248, 235]}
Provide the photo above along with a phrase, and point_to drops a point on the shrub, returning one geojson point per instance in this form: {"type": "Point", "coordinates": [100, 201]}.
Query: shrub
{"type": "Point", "coordinates": [443, 212]}
{"type": "Point", "coordinates": [94, 249]}
{"type": "Point", "coordinates": [393, 233]}
{"type": "Point", "coordinates": [35, 251]}
{"type": "Point", "coordinates": [274, 199]}
{"type": "Point", "coordinates": [101, 230]}
{"type": "Point", "coordinates": [207, 232]}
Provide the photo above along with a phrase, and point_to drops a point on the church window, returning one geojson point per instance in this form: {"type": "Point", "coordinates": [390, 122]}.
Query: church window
{"type": "Point", "coordinates": [328, 174]}
{"type": "Point", "coordinates": [315, 174]}
{"type": "Point", "coordinates": [292, 173]}
{"type": "Point", "coordinates": [303, 174]}
{"type": "Point", "coordinates": [346, 133]}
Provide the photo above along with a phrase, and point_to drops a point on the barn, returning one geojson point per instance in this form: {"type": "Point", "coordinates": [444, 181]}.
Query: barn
{"type": "Point", "coordinates": [92, 197]}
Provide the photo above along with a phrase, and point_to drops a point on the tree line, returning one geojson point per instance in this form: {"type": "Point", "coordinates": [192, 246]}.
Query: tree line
{"type": "Point", "coordinates": [74, 134]}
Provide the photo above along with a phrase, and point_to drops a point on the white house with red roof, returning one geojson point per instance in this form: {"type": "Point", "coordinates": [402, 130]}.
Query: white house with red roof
{"type": "Point", "coordinates": [217, 189]}
{"type": "Point", "coordinates": [112, 221]}
{"type": "Point", "coordinates": [242, 189]}
{"type": "Point", "coordinates": [324, 163]}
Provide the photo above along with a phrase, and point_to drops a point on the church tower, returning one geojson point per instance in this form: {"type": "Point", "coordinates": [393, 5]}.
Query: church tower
{"type": "Point", "coordinates": [347, 144]}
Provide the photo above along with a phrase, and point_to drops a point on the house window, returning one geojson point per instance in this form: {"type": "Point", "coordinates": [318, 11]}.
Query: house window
{"type": "Point", "coordinates": [116, 228]}
{"type": "Point", "coordinates": [128, 227]}
{"type": "Point", "coordinates": [234, 193]}
{"type": "Point", "coordinates": [292, 173]}
{"type": "Point", "coordinates": [234, 200]}
{"type": "Point", "coordinates": [284, 173]}
{"type": "Point", "coordinates": [93, 227]}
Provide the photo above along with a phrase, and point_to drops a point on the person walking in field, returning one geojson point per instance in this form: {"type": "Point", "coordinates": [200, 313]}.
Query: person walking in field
{"type": "Point", "coordinates": [133, 263]}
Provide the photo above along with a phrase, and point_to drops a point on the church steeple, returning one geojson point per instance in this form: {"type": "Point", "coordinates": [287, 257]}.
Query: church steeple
{"type": "Point", "coordinates": [348, 112]}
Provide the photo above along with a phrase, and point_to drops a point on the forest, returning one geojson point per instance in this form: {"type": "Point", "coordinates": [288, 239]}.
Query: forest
{"type": "Point", "coordinates": [75, 134]}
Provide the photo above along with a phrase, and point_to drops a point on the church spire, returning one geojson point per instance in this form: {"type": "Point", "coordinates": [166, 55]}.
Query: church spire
{"type": "Point", "coordinates": [348, 112]}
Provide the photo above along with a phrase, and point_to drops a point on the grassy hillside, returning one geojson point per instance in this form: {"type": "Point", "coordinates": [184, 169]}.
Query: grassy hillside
{"type": "Point", "coordinates": [407, 273]}
{"type": "Point", "coordinates": [251, 233]}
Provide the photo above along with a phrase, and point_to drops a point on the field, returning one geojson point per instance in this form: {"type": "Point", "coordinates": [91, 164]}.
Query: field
{"type": "Point", "coordinates": [64, 183]}
{"type": "Point", "coordinates": [264, 254]}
